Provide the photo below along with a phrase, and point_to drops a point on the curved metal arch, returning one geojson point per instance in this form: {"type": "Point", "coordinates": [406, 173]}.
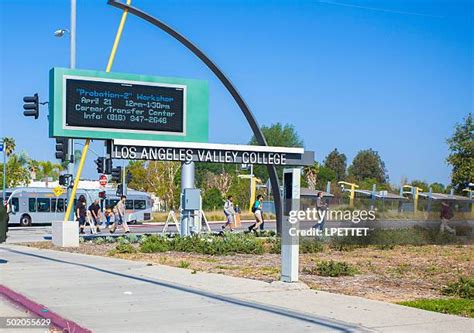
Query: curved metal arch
{"type": "Point", "coordinates": [229, 86]}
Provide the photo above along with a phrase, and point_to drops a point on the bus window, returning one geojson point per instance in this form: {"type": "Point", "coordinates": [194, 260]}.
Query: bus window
{"type": "Point", "coordinates": [128, 204]}
{"type": "Point", "coordinates": [139, 204]}
{"type": "Point", "coordinates": [15, 205]}
{"type": "Point", "coordinates": [43, 205]}
{"type": "Point", "coordinates": [32, 205]}
{"type": "Point", "coordinates": [113, 202]}
{"type": "Point", "coordinates": [57, 207]}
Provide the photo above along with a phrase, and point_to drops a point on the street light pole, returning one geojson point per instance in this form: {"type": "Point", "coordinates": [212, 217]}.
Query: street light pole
{"type": "Point", "coordinates": [4, 171]}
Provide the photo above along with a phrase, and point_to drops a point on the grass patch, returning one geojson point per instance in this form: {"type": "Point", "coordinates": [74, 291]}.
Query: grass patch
{"type": "Point", "coordinates": [125, 248]}
{"type": "Point", "coordinates": [331, 268]}
{"type": "Point", "coordinates": [455, 306]}
{"type": "Point", "coordinates": [463, 288]}
{"type": "Point", "coordinates": [184, 264]}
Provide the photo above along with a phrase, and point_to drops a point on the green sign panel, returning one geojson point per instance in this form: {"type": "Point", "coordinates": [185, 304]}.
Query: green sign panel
{"type": "Point", "coordinates": [101, 105]}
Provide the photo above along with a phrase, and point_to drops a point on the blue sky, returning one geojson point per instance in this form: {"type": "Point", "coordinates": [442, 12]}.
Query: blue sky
{"type": "Point", "coordinates": [394, 76]}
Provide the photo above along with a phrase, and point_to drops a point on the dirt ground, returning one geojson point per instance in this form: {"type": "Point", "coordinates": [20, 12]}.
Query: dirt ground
{"type": "Point", "coordinates": [400, 274]}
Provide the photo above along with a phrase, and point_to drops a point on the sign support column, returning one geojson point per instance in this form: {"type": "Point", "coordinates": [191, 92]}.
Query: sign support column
{"type": "Point", "coordinates": [289, 235]}
{"type": "Point", "coordinates": [187, 181]}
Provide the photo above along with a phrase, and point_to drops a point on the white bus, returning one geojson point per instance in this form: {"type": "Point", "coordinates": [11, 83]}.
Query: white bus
{"type": "Point", "coordinates": [39, 205]}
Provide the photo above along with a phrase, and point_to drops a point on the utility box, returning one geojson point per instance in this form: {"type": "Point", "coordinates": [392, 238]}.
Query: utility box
{"type": "Point", "coordinates": [192, 199]}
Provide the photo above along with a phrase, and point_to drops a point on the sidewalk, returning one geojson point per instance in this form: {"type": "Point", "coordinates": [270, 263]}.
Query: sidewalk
{"type": "Point", "coordinates": [112, 295]}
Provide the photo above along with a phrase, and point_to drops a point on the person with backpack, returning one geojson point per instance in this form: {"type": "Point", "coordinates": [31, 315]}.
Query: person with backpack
{"type": "Point", "coordinates": [119, 211]}
{"type": "Point", "coordinates": [229, 213]}
{"type": "Point", "coordinates": [257, 210]}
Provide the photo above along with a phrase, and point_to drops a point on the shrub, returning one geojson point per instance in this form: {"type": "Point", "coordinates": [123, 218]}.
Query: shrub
{"type": "Point", "coordinates": [331, 268]}
{"type": "Point", "coordinates": [388, 239]}
{"type": "Point", "coordinates": [463, 288]}
{"type": "Point", "coordinates": [110, 239]}
{"type": "Point", "coordinates": [142, 239]}
{"type": "Point", "coordinates": [154, 244]}
{"type": "Point", "coordinates": [308, 245]}
{"type": "Point", "coordinates": [125, 248]}
{"type": "Point", "coordinates": [274, 245]}
{"type": "Point", "coordinates": [122, 240]}
{"type": "Point", "coordinates": [99, 240]}
{"type": "Point", "coordinates": [225, 245]}
{"type": "Point", "coordinates": [132, 238]}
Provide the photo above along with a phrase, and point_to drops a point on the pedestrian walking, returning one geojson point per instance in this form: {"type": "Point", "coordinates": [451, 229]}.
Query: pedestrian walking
{"type": "Point", "coordinates": [257, 210]}
{"type": "Point", "coordinates": [96, 214]}
{"type": "Point", "coordinates": [120, 211]}
{"type": "Point", "coordinates": [81, 212]}
{"type": "Point", "coordinates": [229, 212]}
{"type": "Point", "coordinates": [446, 215]}
{"type": "Point", "coordinates": [321, 207]}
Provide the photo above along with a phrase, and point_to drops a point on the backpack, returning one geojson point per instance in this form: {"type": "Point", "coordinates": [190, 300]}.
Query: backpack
{"type": "Point", "coordinates": [254, 207]}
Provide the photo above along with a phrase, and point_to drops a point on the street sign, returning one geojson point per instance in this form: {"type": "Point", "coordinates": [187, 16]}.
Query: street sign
{"type": "Point", "coordinates": [210, 153]}
{"type": "Point", "coordinates": [1, 146]}
{"type": "Point", "coordinates": [103, 180]}
{"type": "Point", "coordinates": [100, 105]}
{"type": "Point", "coordinates": [58, 190]}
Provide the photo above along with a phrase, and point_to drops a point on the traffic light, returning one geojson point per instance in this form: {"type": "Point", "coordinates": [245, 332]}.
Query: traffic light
{"type": "Point", "coordinates": [102, 194]}
{"type": "Point", "coordinates": [62, 145]}
{"type": "Point", "coordinates": [128, 177]}
{"type": "Point", "coordinates": [117, 174]}
{"type": "Point", "coordinates": [119, 192]}
{"type": "Point", "coordinates": [31, 106]}
{"type": "Point", "coordinates": [65, 179]}
{"type": "Point", "coordinates": [100, 164]}
{"type": "Point", "coordinates": [108, 166]}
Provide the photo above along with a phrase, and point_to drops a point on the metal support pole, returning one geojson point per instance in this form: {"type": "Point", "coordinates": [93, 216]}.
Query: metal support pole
{"type": "Point", "coordinates": [124, 180]}
{"type": "Point", "coordinates": [4, 172]}
{"type": "Point", "coordinates": [187, 181]}
{"type": "Point", "coordinates": [72, 65]}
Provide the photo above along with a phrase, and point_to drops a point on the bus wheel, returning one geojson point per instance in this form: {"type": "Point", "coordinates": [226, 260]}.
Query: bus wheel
{"type": "Point", "coordinates": [25, 221]}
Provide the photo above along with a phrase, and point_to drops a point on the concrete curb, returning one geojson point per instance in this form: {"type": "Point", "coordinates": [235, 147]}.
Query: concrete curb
{"type": "Point", "coordinates": [42, 311]}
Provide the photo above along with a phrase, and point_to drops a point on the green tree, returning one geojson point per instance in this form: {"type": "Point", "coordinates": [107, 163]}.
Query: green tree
{"type": "Point", "coordinates": [212, 199]}
{"type": "Point", "coordinates": [17, 172]}
{"type": "Point", "coordinates": [368, 184]}
{"type": "Point", "coordinates": [240, 190]}
{"type": "Point", "coordinates": [276, 135]}
{"type": "Point", "coordinates": [438, 188]}
{"type": "Point", "coordinates": [368, 164]}
{"type": "Point", "coordinates": [337, 162]}
{"type": "Point", "coordinates": [159, 178]}
{"type": "Point", "coordinates": [421, 184]}
{"type": "Point", "coordinates": [461, 157]}
{"type": "Point", "coordinates": [325, 175]}
{"type": "Point", "coordinates": [49, 170]}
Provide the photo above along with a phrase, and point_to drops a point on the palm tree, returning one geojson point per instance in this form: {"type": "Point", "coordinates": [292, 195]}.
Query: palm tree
{"type": "Point", "coordinates": [311, 175]}
{"type": "Point", "coordinates": [33, 167]}
{"type": "Point", "coordinates": [9, 145]}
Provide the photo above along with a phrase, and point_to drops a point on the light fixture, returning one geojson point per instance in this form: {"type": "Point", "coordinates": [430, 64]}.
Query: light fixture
{"type": "Point", "coordinates": [60, 32]}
